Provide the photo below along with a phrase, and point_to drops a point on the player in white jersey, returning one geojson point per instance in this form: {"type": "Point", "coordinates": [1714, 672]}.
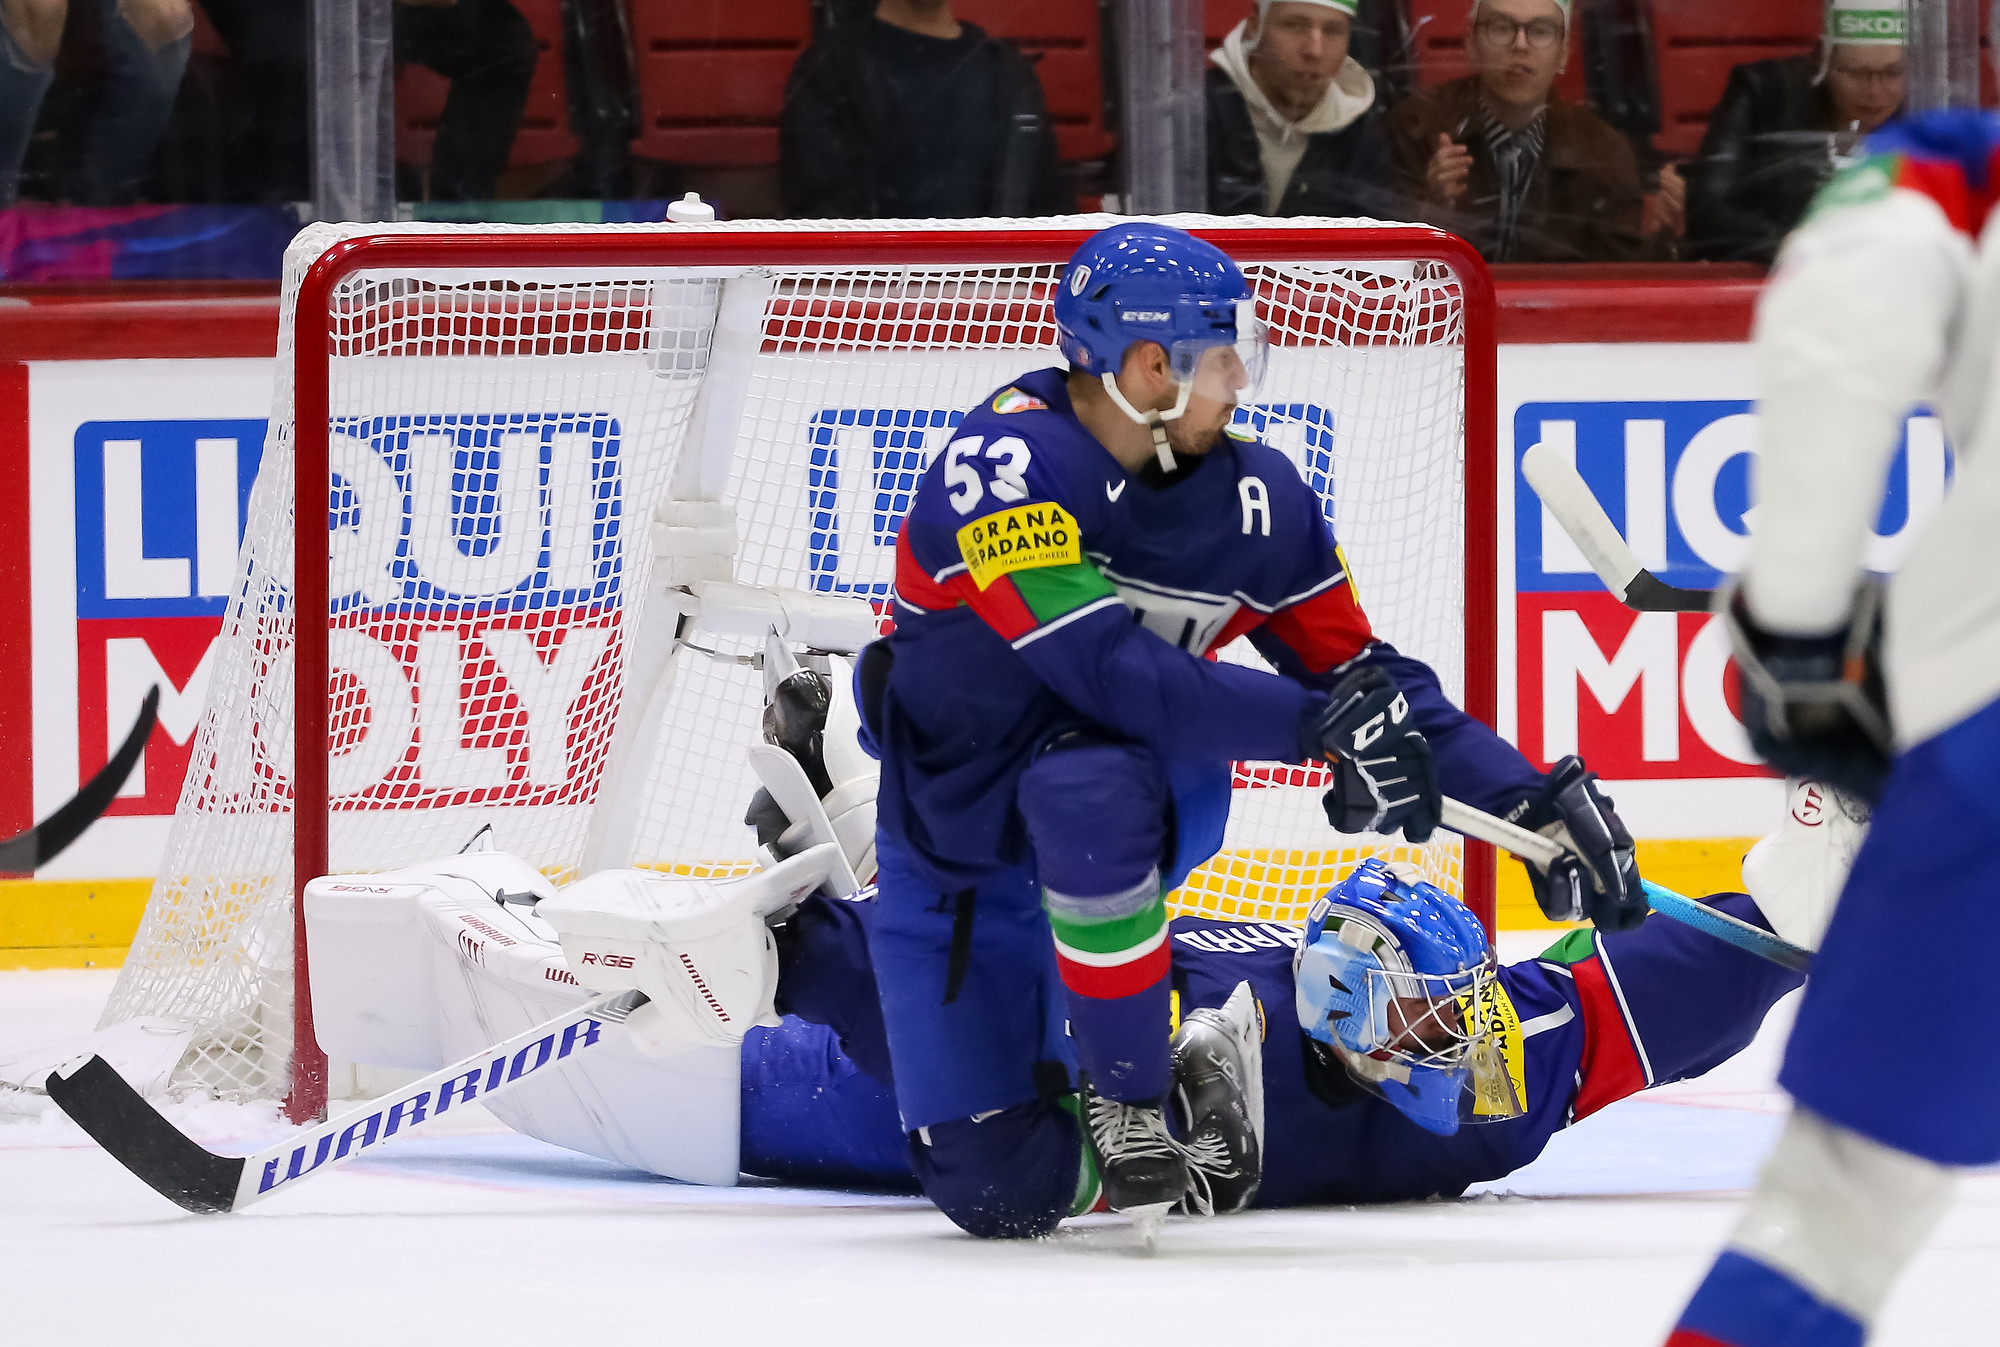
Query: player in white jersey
{"type": "Point", "coordinates": [1888, 297]}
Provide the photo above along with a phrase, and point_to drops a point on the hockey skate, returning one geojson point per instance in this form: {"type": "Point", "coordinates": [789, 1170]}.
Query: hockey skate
{"type": "Point", "coordinates": [1143, 1169]}
{"type": "Point", "coordinates": [1218, 1104]}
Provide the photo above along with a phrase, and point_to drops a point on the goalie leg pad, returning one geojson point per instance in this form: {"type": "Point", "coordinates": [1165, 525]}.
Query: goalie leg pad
{"type": "Point", "coordinates": [698, 947]}
{"type": "Point", "coordinates": [1797, 872]}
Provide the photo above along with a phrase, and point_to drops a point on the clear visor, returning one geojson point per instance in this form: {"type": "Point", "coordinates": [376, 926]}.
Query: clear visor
{"type": "Point", "coordinates": [1225, 372]}
{"type": "Point", "coordinates": [1447, 1025]}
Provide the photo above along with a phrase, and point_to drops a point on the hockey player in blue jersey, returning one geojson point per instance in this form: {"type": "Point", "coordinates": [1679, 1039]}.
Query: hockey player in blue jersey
{"type": "Point", "coordinates": [1887, 297]}
{"type": "Point", "coordinates": [1056, 752]}
{"type": "Point", "coordinates": [1397, 1062]}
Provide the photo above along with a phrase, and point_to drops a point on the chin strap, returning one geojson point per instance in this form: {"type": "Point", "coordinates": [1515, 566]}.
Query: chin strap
{"type": "Point", "coordinates": [1153, 421]}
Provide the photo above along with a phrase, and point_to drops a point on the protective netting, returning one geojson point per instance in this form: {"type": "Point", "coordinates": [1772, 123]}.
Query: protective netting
{"type": "Point", "coordinates": [500, 443]}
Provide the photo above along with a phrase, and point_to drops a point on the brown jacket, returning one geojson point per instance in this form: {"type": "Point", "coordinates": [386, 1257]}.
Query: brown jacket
{"type": "Point", "coordinates": [1584, 202]}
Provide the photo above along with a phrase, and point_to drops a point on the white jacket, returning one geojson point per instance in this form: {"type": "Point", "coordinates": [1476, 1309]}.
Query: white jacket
{"type": "Point", "coordinates": [1281, 143]}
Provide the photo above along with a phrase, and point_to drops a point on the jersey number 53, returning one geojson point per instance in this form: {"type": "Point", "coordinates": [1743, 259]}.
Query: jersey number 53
{"type": "Point", "coordinates": [1009, 458]}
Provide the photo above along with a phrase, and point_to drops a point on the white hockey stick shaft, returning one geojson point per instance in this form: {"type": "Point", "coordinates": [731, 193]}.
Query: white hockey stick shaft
{"type": "Point", "coordinates": [106, 1106]}
{"type": "Point", "coordinates": [482, 1076]}
{"type": "Point", "coordinates": [1463, 819]}
{"type": "Point", "coordinates": [1569, 499]}
{"type": "Point", "coordinates": [1572, 505]}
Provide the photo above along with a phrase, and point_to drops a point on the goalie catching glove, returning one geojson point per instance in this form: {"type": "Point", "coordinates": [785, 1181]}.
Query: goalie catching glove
{"type": "Point", "coordinates": [1383, 777]}
{"type": "Point", "coordinates": [1815, 705]}
{"type": "Point", "coordinates": [1597, 876]}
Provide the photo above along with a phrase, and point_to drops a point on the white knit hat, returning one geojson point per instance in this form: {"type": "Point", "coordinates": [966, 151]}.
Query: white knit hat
{"type": "Point", "coordinates": [1347, 7]}
{"type": "Point", "coordinates": [1866, 23]}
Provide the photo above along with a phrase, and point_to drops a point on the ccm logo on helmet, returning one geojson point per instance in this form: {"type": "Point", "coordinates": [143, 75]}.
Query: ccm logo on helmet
{"type": "Point", "coordinates": [608, 960]}
{"type": "Point", "coordinates": [1144, 316]}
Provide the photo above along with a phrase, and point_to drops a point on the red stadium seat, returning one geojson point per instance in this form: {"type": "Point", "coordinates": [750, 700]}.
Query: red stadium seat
{"type": "Point", "coordinates": [1223, 15]}
{"type": "Point", "coordinates": [1060, 37]}
{"type": "Point", "coordinates": [1700, 41]}
{"type": "Point", "coordinates": [712, 77]}
{"type": "Point", "coordinates": [544, 137]}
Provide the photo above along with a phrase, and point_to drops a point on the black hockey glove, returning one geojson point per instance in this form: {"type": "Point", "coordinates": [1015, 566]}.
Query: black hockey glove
{"type": "Point", "coordinates": [1383, 778]}
{"type": "Point", "coordinates": [795, 713]}
{"type": "Point", "coordinates": [1598, 878]}
{"type": "Point", "coordinates": [1814, 705]}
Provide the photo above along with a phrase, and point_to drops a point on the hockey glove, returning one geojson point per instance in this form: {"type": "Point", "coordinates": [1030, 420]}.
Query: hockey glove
{"type": "Point", "coordinates": [1383, 778]}
{"type": "Point", "coordinates": [1597, 877]}
{"type": "Point", "coordinates": [1815, 705]}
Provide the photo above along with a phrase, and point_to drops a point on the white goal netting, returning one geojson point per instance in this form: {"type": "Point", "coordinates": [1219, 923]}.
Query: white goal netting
{"type": "Point", "coordinates": [502, 437]}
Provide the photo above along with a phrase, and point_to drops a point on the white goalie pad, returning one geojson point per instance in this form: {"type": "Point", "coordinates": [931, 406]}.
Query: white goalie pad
{"type": "Point", "coordinates": [822, 621]}
{"type": "Point", "coordinates": [1796, 874]}
{"type": "Point", "coordinates": [699, 948]}
{"type": "Point", "coordinates": [420, 967]}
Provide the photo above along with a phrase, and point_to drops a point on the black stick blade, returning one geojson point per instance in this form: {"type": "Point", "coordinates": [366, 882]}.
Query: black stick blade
{"type": "Point", "coordinates": [122, 1122]}
{"type": "Point", "coordinates": [25, 852]}
{"type": "Point", "coordinates": [1648, 593]}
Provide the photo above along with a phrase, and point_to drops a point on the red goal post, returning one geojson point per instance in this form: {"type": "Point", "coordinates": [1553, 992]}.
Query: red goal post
{"type": "Point", "coordinates": [470, 294]}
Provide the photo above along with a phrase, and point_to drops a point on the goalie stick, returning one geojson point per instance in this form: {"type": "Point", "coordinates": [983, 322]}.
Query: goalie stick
{"type": "Point", "coordinates": [1464, 819]}
{"type": "Point", "coordinates": [1556, 480]}
{"type": "Point", "coordinates": [197, 1179]}
{"type": "Point", "coordinates": [25, 852]}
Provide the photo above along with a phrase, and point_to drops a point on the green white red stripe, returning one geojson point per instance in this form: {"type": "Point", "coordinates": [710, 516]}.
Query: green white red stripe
{"type": "Point", "coordinates": [1114, 958]}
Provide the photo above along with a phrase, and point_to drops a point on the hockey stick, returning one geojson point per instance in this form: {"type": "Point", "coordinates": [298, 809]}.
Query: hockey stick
{"type": "Point", "coordinates": [1562, 489]}
{"type": "Point", "coordinates": [173, 1165]}
{"type": "Point", "coordinates": [1464, 819]}
{"type": "Point", "coordinates": [28, 851]}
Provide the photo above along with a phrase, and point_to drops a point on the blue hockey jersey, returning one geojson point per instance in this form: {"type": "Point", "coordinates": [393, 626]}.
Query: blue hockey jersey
{"type": "Point", "coordinates": [1040, 587]}
{"type": "Point", "coordinates": [1595, 1018]}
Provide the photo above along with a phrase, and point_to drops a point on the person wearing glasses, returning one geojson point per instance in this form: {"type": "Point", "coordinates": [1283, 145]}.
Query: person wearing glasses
{"type": "Point", "coordinates": [1784, 125]}
{"type": "Point", "coordinates": [1500, 159]}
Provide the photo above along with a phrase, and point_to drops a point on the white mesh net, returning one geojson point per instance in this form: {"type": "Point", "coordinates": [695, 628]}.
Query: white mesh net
{"type": "Point", "coordinates": [500, 441]}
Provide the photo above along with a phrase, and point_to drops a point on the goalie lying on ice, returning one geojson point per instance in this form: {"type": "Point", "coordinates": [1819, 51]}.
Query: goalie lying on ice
{"type": "Point", "coordinates": [1362, 1100]}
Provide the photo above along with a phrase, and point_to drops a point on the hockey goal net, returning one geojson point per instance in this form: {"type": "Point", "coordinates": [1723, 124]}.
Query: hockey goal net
{"type": "Point", "coordinates": [490, 420]}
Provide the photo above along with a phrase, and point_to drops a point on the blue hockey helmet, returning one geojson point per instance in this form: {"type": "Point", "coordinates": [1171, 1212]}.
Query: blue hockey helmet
{"type": "Point", "coordinates": [1398, 979]}
{"type": "Point", "coordinates": [1149, 282]}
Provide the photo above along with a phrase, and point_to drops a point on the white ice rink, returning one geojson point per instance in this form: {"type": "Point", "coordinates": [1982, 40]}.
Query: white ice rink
{"type": "Point", "coordinates": [477, 1236]}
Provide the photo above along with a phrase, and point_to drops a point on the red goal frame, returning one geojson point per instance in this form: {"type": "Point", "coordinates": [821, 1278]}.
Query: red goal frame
{"type": "Point", "coordinates": [315, 342]}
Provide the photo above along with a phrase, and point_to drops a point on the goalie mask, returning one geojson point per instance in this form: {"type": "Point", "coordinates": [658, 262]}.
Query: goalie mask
{"type": "Point", "coordinates": [1147, 282]}
{"type": "Point", "coordinates": [1398, 981]}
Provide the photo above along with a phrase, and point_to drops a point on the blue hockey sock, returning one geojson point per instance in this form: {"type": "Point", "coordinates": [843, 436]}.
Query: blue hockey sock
{"type": "Point", "coordinates": [1745, 1303]}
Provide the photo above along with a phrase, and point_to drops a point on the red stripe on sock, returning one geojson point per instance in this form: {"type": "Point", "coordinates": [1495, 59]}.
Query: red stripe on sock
{"type": "Point", "coordinates": [1611, 1069]}
{"type": "Point", "coordinates": [1126, 979]}
{"type": "Point", "coordinates": [1687, 1337]}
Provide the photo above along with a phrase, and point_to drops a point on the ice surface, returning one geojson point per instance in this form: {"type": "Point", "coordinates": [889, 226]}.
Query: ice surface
{"type": "Point", "coordinates": [477, 1236]}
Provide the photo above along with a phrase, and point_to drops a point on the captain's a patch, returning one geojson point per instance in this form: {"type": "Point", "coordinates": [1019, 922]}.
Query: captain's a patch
{"type": "Point", "coordinates": [1014, 400]}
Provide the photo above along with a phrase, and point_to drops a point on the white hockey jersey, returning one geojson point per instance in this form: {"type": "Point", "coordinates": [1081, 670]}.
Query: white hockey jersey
{"type": "Point", "coordinates": [1888, 296]}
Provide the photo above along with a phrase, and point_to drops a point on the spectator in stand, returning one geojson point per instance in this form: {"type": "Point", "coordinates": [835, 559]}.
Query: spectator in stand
{"type": "Point", "coordinates": [1293, 124]}
{"type": "Point", "coordinates": [912, 113]}
{"type": "Point", "coordinates": [1498, 158]}
{"type": "Point", "coordinates": [146, 46]}
{"type": "Point", "coordinates": [484, 47]}
{"type": "Point", "coordinates": [1784, 125]}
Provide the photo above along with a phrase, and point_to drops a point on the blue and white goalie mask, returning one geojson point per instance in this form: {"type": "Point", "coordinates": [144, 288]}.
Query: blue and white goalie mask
{"type": "Point", "coordinates": [1398, 980]}
{"type": "Point", "coordinates": [1148, 282]}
